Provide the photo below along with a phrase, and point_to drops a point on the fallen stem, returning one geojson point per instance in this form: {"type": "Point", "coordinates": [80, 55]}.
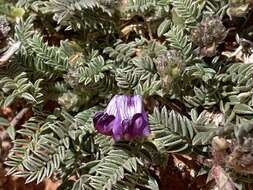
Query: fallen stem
{"type": "Point", "coordinates": [19, 116]}
{"type": "Point", "coordinates": [7, 55]}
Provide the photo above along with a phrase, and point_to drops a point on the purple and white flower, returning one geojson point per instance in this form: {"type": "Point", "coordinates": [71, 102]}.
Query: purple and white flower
{"type": "Point", "coordinates": [123, 118]}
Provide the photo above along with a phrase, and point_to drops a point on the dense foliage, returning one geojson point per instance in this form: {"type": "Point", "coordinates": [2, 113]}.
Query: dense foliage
{"type": "Point", "coordinates": [190, 60]}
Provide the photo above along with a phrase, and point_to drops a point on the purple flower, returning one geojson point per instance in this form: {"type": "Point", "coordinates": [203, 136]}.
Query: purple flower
{"type": "Point", "coordinates": [123, 118]}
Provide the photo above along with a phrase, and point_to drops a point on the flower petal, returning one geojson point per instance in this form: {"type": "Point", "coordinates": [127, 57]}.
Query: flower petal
{"type": "Point", "coordinates": [124, 118]}
{"type": "Point", "coordinates": [125, 124]}
{"type": "Point", "coordinates": [117, 130]}
{"type": "Point", "coordinates": [138, 127]}
{"type": "Point", "coordinates": [111, 108]}
{"type": "Point", "coordinates": [103, 123]}
{"type": "Point", "coordinates": [128, 106]}
{"type": "Point", "coordinates": [97, 116]}
{"type": "Point", "coordinates": [135, 105]}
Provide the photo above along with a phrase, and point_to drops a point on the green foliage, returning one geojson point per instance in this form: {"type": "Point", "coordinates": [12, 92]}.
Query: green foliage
{"type": "Point", "coordinates": [147, 7]}
{"type": "Point", "coordinates": [163, 27]}
{"type": "Point", "coordinates": [49, 146]}
{"type": "Point", "coordinates": [239, 96]}
{"type": "Point", "coordinates": [207, 129]}
{"type": "Point", "coordinates": [189, 10]}
{"type": "Point", "coordinates": [20, 87]}
{"type": "Point", "coordinates": [173, 132]}
{"type": "Point", "coordinates": [141, 5]}
{"type": "Point", "coordinates": [125, 79]}
{"type": "Point", "coordinates": [82, 14]}
{"type": "Point", "coordinates": [179, 41]}
{"type": "Point", "coordinates": [93, 75]}
{"type": "Point", "coordinates": [215, 7]}
{"type": "Point", "coordinates": [41, 156]}
{"type": "Point", "coordinates": [111, 169]}
{"type": "Point", "coordinates": [46, 56]}
{"type": "Point", "coordinates": [37, 55]}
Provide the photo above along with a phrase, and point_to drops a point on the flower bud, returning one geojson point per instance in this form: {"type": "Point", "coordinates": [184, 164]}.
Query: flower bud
{"type": "Point", "coordinates": [71, 78]}
{"type": "Point", "coordinates": [169, 67]}
{"type": "Point", "coordinates": [219, 143]}
{"type": "Point", "coordinates": [208, 34]}
{"type": "Point", "coordinates": [69, 101]}
{"type": "Point", "coordinates": [241, 158]}
{"type": "Point", "coordinates": [239, 8]}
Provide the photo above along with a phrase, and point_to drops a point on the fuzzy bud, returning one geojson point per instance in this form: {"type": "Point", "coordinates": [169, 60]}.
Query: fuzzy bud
{"type": "Point", "coordinates": [71, 78]}
{"type": "Point", "coordinates": [239, 8]}
{"type": "Point", "coordinates": [169, 67]}
{"type": "Point", "coordinates": [208, 34]}
{"type": "Point", "coordinates": [219, 143]}
{"type": "Point", "coordinates": [222, 178]}
{"type": "Point", "coordinates": [69, 101]}
{"type": "Point", "coordinates": [241, 158]}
